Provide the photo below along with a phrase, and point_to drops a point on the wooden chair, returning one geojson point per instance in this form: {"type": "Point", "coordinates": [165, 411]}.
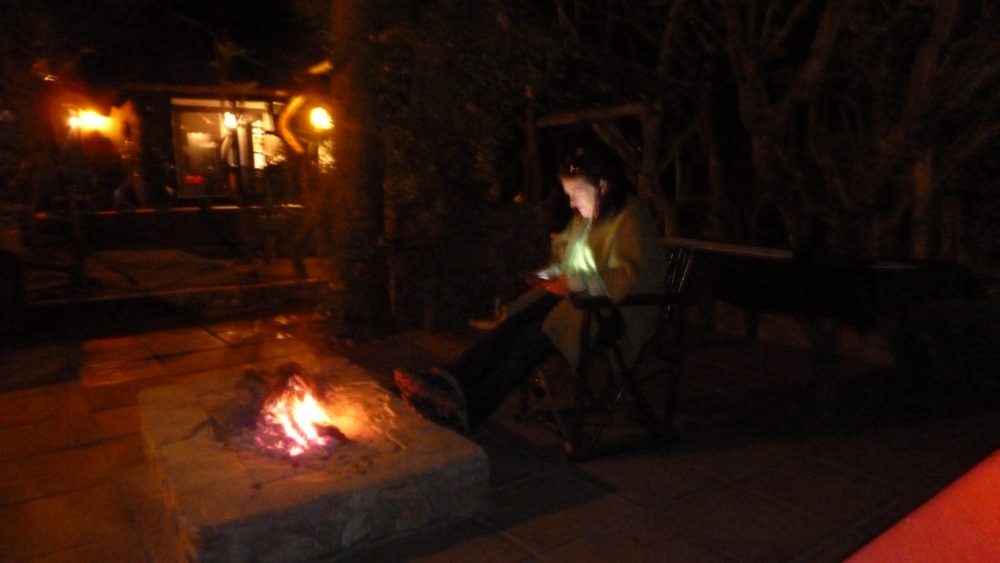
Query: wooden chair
{"type": "Point", "coordinates": [622, 392]}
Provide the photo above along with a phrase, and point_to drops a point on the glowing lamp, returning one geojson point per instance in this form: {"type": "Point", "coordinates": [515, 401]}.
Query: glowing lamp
{"type": "Point", "coordinates": [90, 120]}
{"type": "Point", "coordinates": [229, 120]}
{"type": "Point", "coordinates": [306, 119]}
{"type": "Point", "coordinates": [320, 119]}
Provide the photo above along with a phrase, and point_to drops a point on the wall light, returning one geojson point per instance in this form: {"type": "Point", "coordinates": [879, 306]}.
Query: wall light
{"type": "Point", "coordinates": [90, 120]}
{"type": "Point", "coordinates": [321, 119]}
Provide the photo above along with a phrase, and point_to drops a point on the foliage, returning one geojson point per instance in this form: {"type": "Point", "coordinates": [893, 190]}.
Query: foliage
{"type": "Point", "coordinates": [859, 122]}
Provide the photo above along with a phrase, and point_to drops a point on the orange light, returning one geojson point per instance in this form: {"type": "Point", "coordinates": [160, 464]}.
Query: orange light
{"type": "Point", "coordinates": [300, 415]}
{"type": "Point", "coordinates": [229, 120]}
{"type": "Point", "coordinates": [89, 120]}
{"type": "Point", "coordinates": [321, 119]}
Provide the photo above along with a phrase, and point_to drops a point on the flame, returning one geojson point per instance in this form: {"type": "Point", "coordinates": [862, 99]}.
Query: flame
{"type": "Point", "coordinates": [300, 415]}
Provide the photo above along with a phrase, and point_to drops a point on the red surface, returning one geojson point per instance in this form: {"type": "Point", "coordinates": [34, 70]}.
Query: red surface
{"type": "Point", "coordinates": [960, 524]}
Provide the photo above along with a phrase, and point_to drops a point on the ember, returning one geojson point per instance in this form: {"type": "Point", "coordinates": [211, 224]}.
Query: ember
{"type": "Point", "coordinates": [294, 421]}
{"type": "Point", "coordinates": [285, 415]}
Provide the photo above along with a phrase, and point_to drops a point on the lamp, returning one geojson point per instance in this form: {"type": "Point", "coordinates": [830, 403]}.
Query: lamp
{"type": "Point", "coordinates": [88, 120]}
{"type": "Point", "coordinates": [306, 119]}
{"type": "Point", "coordinates": [320, 119]}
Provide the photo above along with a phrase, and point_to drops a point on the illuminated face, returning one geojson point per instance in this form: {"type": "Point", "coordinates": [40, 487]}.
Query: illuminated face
{"type": "Point", "coordinates": [582, 195]}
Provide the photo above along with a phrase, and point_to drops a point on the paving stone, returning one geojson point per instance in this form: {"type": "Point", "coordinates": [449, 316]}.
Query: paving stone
{"type": "Point", "coordinates": [876, 522]}
{"type": "Point", "coordinates": [124, 394]}
{"type": "Point", "coordinates": [935, 452]}
{"type": "Point", "coordinates": [244, 331]}
{"type": "Point", "coordinates": [841, 495]}
{"type": "Point", "coordinates": [39, 365]}
{"type": "Point", "coordinates": [46, 435]}
{"type": "Point", "coordinates": [737, 459]}
{"type": "Point", "coordinates": [458, 543]}
{"type": "Point", "coordinates": [746, 527]}
{"type": "Point", "coordinates": [834, 550]}
{"type": "Point", "coordinates": [56, 524]}
{"type": "Point", "coordinates": [92, 376]}
{"type": "Point", "coordinates": [19, 407]}
{"type": "Point", "coordinates": [397, 474]}
{"type": "Point", "coordinates": [509, 463]}
{"type": "Point", "coordinates": [54, 473]}
{"type": "Point", "coordinates": [117, 421]}
{"type": "Point", "coordinates": [124, 550]}
{"type": "Point", "coordinates": [180, 341]}
{"type": "Point", "coordinates": [112, 351]}
{"type": "Point", "coordinates": [637, 540]}
{"type": "Point", "coordinates": [275, 349]}
{"type": "Point", "coordinates": [160, 546]}
{"type": "Point", "coordinates": [141, 493]}
{"type": "Point", "coordinates": [553, 510]}
{"type": "Point", "coordinates": [204, 360]}
{"type": "Point", "coordinates": [648, 480]}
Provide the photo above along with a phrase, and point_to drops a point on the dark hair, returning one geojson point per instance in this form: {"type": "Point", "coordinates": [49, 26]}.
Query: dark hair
{"type": "Point", "coordinates": [596, 168]}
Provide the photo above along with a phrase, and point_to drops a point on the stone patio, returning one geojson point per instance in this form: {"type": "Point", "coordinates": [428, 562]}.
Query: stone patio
{"type": "Point", "coordinates": [753, 479]}
{"type": "Point", "coordinates": [396, 474]}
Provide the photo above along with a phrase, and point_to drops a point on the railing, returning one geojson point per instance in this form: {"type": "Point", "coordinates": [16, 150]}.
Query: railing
{"type": "Point", "coordinates": [733, 249]}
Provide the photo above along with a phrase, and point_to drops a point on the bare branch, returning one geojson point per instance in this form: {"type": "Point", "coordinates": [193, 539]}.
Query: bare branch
{"type": "Point", "coordinates": [805, 82]}
{"type": "Point", "coordinates": [800, 10]}
{"type": "Point", "coordinates": [589, 115]}
{"type": "Point", "coordinates": [612, 136]}
{"type": "Point", "coordinates": [564, 21]}
{"type": "Point", "coordinates": [676, 145]}
{"type": "Point", "coordinates": [967, 145]}
{"type": "Point", "coordinates": [765, 29]}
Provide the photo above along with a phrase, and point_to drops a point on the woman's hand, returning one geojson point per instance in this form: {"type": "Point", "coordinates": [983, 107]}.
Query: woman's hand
{"type": "Point", "coordinates": [557, 285]}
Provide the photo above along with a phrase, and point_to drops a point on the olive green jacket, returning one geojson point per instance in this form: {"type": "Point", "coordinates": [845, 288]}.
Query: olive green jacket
{"type": "Point", "coordinates": [630, 258]}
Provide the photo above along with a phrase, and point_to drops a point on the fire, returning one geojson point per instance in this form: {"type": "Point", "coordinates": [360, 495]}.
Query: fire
{"type": "Point", "coordinates": [302, 419]}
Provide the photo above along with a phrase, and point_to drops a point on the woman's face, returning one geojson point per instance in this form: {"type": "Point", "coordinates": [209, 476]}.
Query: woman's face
{"type": "Point", "coordinates": [582, 195]}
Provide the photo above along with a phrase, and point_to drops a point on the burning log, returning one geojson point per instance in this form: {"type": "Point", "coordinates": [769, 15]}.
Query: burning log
{"type": "Point", "coordinates": [283, 415]}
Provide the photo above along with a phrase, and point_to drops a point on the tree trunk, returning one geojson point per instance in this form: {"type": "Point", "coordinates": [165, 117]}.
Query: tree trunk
{"type": "Point", "coordinates": [951, 229]}
{"type": "Point", "coordinates": [715, 229]}
{"type": "Point", "coordinates": [923, 187]}
{"type": "Point", "coordinates": [533, 183]}
{"type": "Point", "coordinates": [649, 170]}
{"type": "Point", "coordinates": [356, 203]}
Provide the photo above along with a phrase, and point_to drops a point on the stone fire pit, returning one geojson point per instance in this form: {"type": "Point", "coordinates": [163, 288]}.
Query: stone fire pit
{"type": "Point", "coordinates": [396, 474]}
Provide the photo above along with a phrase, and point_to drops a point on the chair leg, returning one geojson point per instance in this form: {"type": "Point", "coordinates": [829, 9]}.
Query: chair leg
{"type": "Point", "coordinates": [647, 414]}
{"type": "Point", "coordinates": [673, 388]}
{"type": "Point", "coordinates": [609, 412]}
{"type": "Point", "coordinates": [569, 445]}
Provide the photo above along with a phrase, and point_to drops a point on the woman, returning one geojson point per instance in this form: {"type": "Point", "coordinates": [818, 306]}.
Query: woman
{"type": "Point", "coordinates": [610, 248]}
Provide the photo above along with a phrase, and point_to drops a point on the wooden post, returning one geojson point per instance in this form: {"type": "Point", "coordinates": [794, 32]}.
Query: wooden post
{"type": "Point", "coordinates": [951, 229]}
{"type": "Point", "coordinates": [533, 183]}
{"type": "Point", "coordinates": [920, 214]}
{"type": "Point", "coordinates": [355, 213]}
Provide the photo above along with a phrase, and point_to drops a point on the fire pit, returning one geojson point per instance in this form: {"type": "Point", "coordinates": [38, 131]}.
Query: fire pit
{"type": "Point", "coordinates": [286, 414]}
{"type": "Point", "coordinates": [299, 463]}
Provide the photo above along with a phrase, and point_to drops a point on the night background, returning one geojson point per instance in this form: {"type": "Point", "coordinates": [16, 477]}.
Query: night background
{"type": "Point", "coordinates": [833, 164]}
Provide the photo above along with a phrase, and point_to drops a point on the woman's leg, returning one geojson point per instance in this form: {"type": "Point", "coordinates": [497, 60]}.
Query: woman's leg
{"type": "Point", "coordinates": [514, 367]}
{"type": "Point", "coordinates": [480, 360]}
